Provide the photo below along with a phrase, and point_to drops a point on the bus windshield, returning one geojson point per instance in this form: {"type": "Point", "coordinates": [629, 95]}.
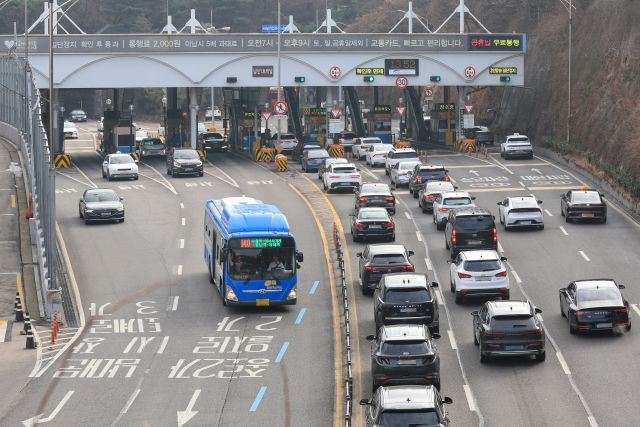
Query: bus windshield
{"type": "Point", "coordinates": [259, 258]}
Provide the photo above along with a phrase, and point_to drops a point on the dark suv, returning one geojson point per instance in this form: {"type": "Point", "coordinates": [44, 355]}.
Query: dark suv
{"type": "Point", "coordinates": [404, 354]}
{"type": "Point", "coordinates": [380, 259]}
{"type": "Point", "coordinates": [184, 161]}
{"type": "Point", "coordinates": [406, 298]}
{"type": "Point", "coordinates": [470, 228]}
{"type": "Point", "coordinates": [508, 328]}
{"type": "Point", "coordinates": [423, 173]}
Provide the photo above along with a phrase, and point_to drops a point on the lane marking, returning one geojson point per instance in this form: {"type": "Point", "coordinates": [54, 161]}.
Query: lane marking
{"type": "Point", "coordinates": [13, 201]}
{"type": "Point", "coordinates": [3, 329]}
{"type": "Point", "coordinates": [84, 175]}
{"type": "Point", "coordinates": [521, 184]}
{"type": "Point", "coordinates": [452, 338]}
{"type": "Point", "coordinates": [226, 178]}
{"type": "Point", "coordinates": [174, 306]}
{"type": "Point", "coordinates": [551, 187]}
{"type": "Point", "coordinates": [283, 349]}
{"type": "Point", "coordinates": [163, 345]}
{"type": "Point", "coordinates": [592, 422]}
{"type": "Point", "coordinates": [439, 296]}
{"type": "Point", "coordinates": [258, 399]}
{"type": "Point", "coordinates": [181, 245]}
{"type": "Point", "coordinates": [419, 236]}
{"type": "Point", "coordinates": [184, 221]}
{"type": "Point", "coordinates": [563, 363]}
{"type": "Point", "coordinates": [429, 265]}
{"type": "Point", "coordinates": [547, 212]}
{"type": "Point", "coordinates": [74, 179]}
{"type": "Point", "coordinates": [132, 398]}
{"type": "Point", "coordinates": [636, 309]}
{"type": "Point", "coordinates": [500, 248]}
{"type": "Point", "coordinates": [181, 205]}
{"type": "Point", "coordinates": [491, 190]}
{"type": "Point", "coordinates": [368, 172]}
{"type": "Point", "coordinates": [300, 316]}
{"type": "Point", "coordinates": [482, 165]}
{"type": "Point", "coordinates": [314, 287]}
{"type": "Point", "coordinates": [407, 215]}
{"type": "Point", "coordinates": [180, 270]}
{"type": "Point", "coordinates": [470, 400]}
{"type": "Point", "coordinates": [584, 256]}
{"type": "Point", "coordinates": [165, 183]}
{"type": "Point", "coordinates": [564, 231]}
{"type": "Point", "coordinates": [502, 165]}
{"type": "Point", "coordinates": [515, 276]}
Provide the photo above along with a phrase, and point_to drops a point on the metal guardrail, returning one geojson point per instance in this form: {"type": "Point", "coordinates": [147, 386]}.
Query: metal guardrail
{"type": "Point", "coordinates": [20, 108]}
{"type": "Point", "coordinates": [348, 382]}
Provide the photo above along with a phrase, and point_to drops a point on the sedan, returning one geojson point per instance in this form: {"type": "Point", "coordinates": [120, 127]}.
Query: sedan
{"type": "Point", "coordinates": [595, 305]}
{"type": "Point", "coordinates": [402, 171]}
{"type": "Point", "coordinates": [119, 166]}
{"type": "Point", "coordinates": [312, 159]}
{"type": "Point", "coordinates": [478, 273]}
{"type": "Point", "coordinates": [372, 223]}
{"type": "Point", "coordinates": [70, 131]}
{"type": "Point", "coordinates": [361, 146]}
{"type": "Point", "coordinates": [101, 204]}
{"type": "Point", "coordinates": [376, 195]}
{"type": "Point", "coordinates": [377, 260]}
{"type": "Point", "coordinates": [153, 147]}
{"type": "Point", "coordinates": [521, 212]}
{"type": "Point", "coordinates": [584, 203]}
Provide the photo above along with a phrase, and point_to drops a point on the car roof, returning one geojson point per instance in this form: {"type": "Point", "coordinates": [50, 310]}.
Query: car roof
{"type": "Point", "coordinates": [472, 211]}
{"type": "Point", "coordinates": [99, 190]}
{"type": "Point", "coordinates": [516, 135]}
{"type": "Point", "coordinates": [373, 209]}
{"type": "Point", "coordinates": [343, 165]}
{"type": "Point", "coordinates": [587, 191]}
{"type": "Point", "coordinates": [383, 145]}
{"type": "Point", "coordinates": [409, 162]}
{"type": "Point", "coordinates": [403, 150]}
{"type": "Point", "coordinates": [378, 249]}
{"type": "Point", "coordinates": [119, 155]}
{"type": "Point", "coordinates": [405, 280]}
{"type": "Point", "coordinates": [370, 138]}
{"type": "Point", "coordinates": [508, 307]}
{"type": "Point", "coordinates": [372, 185]}
{"type": "Point", "coordinates": [404, 333]}
{"type": "Point", "coordinates": [335, 160]}
{"type": "Point", "coordinates": [431, 167]}
{"type": "Point", "coordinates": [479, 255]}
{"type": "Point", "coordinates": [407, 397]}
{"type": "Point", "coordinates": [183, 149]}
{"type": "Point", "coordinates": [525, 201]}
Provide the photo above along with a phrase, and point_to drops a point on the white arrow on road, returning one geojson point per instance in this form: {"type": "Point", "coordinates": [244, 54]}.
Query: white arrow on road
{"type": "Point", "coordinates": [38, 418]}
{"type": "Point", "coordinates": [536, 170]}
{"type": "Point", "coordinates": [474, 172]}
{"type": "Point", "coordinates": [187, 414]}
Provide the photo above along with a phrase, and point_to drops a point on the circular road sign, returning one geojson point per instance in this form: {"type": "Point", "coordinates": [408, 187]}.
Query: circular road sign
{"type": "Point", "coordinates": [335, 72]}
{"type": "Point", "coordinates": [428, 92]}
{"type": "Point", "coordinates": [469, 72]}
{"type": "Point", "coordinates": [280, 108]}
{"type": "Point", "coordinates": [402, 82]}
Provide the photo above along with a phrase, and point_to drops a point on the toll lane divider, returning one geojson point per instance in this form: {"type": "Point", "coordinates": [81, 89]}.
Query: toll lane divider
{"type": "Point", "coordinates": [348, 382]}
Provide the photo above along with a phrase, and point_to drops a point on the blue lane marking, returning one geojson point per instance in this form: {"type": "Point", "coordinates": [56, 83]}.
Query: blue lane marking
{"type": "Point", "coordinates": [314, 287]}
{"type": "Point", "coordinates": [283, 349]}
{"type": "Point", "coordinates": [300, 315]}
{"type": "Point", "coordinates": [258, 399]}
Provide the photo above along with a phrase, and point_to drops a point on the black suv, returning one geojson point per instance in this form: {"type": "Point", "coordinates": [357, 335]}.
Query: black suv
{"type": "Point", "coordinates": [212, 141]}
{"type": "Point", "coordinates": [380, 259]}
{"type": "Point", "coordinates": [406, 298]}
{"type": "Point", "coordinates": [184, 161]}
{"type": "Point", "coordinates": [470, 228]}
{"type": "Point", "coordinates": [376, 195]}
{"type": "Point", "coordinates": [423, 173]}
{"type": "Point", "coordinates": [404, 354]}
{"type": "Point", "coordinates": [508, 328]}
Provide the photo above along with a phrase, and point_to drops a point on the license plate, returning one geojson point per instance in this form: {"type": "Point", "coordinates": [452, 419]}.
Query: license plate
{"type": "Point", "coordinates": [588, 215]}
{"type": "Point", "coordinates": [375, 227]}
{"type": "Point", "coordinates": [408, 310]}
{"type": "Point", "coordinates": [525, 222]}
{"type": "Point", "coordinates": [124, 172]}
{"type": "Point", "coordinates": [604, 325]}
{"type": "Point", "coordinates": [406, 362]}
{"type": "Point", "coordinates": [514, 347]}
{"type": "Point", "coordinates": [262, 302]}
{"type": "Point", "coordinates": [483, 278]}
{"type": "Point", "coordinates": [474, 242]}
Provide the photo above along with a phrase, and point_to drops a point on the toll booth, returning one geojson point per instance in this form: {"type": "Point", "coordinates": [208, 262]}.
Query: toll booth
{"type": "Point", "coordinates": [443, 123]}
{"type": "Point", "coordinates": [108, 142]}
{"type": "Point", "coordinates": [379, 123]}
{"type": "Point", "coordinates": [248, 126]}
{"type": "Point", "coordinates": [315, 123]}
{"type": "Point", "coordinates": [176, 134]}
{"type": "Point", "coordinates": [125, 137]}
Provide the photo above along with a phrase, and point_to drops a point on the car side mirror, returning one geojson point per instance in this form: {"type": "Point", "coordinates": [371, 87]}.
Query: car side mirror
{"type": "Point", "coordinates": [81, 200]}
{"type": "Point", "coordinates": [621, 286]}
{"type": "Point", "coordinates": [455, 187]}
{"type": "Point", "coordinates": [562, 290]}
{"type": "Point", "coordinates": [435, 336]}
{"type": "Point", "coordinates": [539, 202]}
{"type": "Point", "coordinates": [365, 402]}
{"type": "Point", "coordinates": [503, 258]}
{"type": "Point", "coordinates": [499, 203]}
{"type": "Point", "coordinates": [370, 337]}
{"type": "Point", "coordinates": [299, 256]}
{"type": "Point", "coordinates": [601, 195]}
{"type": "Point", "coordinates": [410, 253]}
{"type": "Point", "coordinates": [122, 199]}
{"type": "Point", "coordinates": [473, 197]}
{"type": "Point", "coordinates": [474, 313]}
{"type": "Point", "coordinates": [435, 284]}
{"type": "Point", "coordinates": [105, 162]}
{"type": "Point", "coordinates": [359, 254]}
{"type": "Point", "coordinates": [494, 217]}
{"type": "Point", "coordinates": [538, 310]}
{"type": "Point", "coordinates": [447, 400]}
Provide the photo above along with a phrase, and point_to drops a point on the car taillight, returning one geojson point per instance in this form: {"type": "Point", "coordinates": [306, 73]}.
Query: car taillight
{"type": "Point", "coordinates": [334, 176]}
{"type": "Point", "coordinates": [429, 196]}
{"type": "Point", "coordinates": [387, 225]}
{"type": "Point", "coordinates": [502, 274]}
{"type": "Point", "coordinates": [363, 199]}
{"type": "Point", "coordinates": [495, 235]}
{"type": "Point", "coordinates": [464, 276]}
{"type": "Point", "coordinates": [453, 237]}
{"type": "Point", "coordinates": [361, 225]}
{"type": "Point", "coordinates": [410, 268]}
{"type": "Point", "coordinates": [354, 176]}
{"type": "Point", "coordinates": [489, 334]}
{"type": "Point", "coordinates": [445, 210]}
{"type": "Point", "coordinates": [622, 310]}
{"type": "Point", "coordinates": [581, 313]}
{"type": "Point", "coordinates": [418, 180]}
{"type": "Point", "coordinates": [368, 268]}
{"type": "Point", "coordinates": [389, 199]}
{"type": "Point", "coordinates": [446, 178]}
{"type": "Point", "coordinates": [534, 333]}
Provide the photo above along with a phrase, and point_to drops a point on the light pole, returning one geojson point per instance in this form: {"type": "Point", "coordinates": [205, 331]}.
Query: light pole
{"type": "Point", "coordinates": [51, 127]}
{"type": "Point", "coordinates": [279, 75]}
{"type": "Point", "coordinates": [569, 78]}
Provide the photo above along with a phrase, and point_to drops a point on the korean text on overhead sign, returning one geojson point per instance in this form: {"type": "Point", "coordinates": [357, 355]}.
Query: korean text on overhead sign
{"type": "Point", "coordinates": [370, 71]}
{"type": "Point", "coordinates": [503, 70]}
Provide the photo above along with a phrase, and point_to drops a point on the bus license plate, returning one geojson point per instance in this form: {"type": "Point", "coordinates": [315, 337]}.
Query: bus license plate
{"type": "Point", "coordinates": [261, 302]}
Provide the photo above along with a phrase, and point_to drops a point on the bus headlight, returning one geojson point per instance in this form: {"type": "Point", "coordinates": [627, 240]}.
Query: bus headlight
{"type": "Point", "coordinates": [230, 295]}
{"type": "Point", "coordinates": [293, 294]}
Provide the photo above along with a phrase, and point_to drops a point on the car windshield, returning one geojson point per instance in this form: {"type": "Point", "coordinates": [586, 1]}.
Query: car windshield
{"type": "Point", "coordinates": [404, 348]}
{"type": "Point", "coordinates": [101, 196]}
{"type": "Point", "coordinates": [401, 295]}
{"type": "Point", "coordinates": [211, 135]}
{"type": "Point", "coordinates": [377, 214]}
{"type": "Point", "coordinates": [418, 418]}
{"type": "Point", "coordinates": [433, 175]}
{"type": "Point", "coordinates": [77, 112]}
{"type": "Point", "coordinates": [585, 197]}
{"type": "Point", "coordinates": [261, 258]}
{"type": "Point", "coordinates": [381, 147]}
{"type": "Point", "coordinates": [152, 142]}
{"type": "Point", "coordinates": [317, 154]}
{"type": "Point", "coordinates": [185, 154]}
{"type": "Point", "coordinates": [343, 169]}
{"type": "Point", "coordinates": [598, 294]}
{"type": "Point", "coordinates": [335, 161]}
{"type": "Point", "coordinates": [375, 189]}
{"type": "Point", "coordinates": [120, 160]}
{"type": "Point", "coordinates": [474, 223]}
{"type": "Point", "coordinates": [405, 155]}
{"type": "Point", "coordinates": [482, 265]}
{"type": "Point", "coordinates": [388, 259]}
{"type": "Point", "coordinates": [288, 136]}
{"type": "Point", "coordinates": [457, 201]}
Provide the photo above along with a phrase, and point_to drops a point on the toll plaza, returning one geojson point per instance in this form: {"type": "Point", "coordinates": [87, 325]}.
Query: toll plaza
{"type": "Point", "coordinates": [379, 123]}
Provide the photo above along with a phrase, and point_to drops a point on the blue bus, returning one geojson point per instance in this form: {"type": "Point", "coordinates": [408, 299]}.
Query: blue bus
{"type": "Point", "coordinates": [250, 252]}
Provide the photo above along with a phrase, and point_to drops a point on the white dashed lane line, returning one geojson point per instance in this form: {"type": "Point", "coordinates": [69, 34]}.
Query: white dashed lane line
{"type": "Point", "coordinates": [452, 339]}
{"type": "Point", "coordinates": [181, 205]}
{"type": "Point", "coordinates": [563, 363]}
{"type": "Point", "coordinates": [407, 215]}
{"type": "Point", "coordinates": [184, 221]}
{"type": "Point", "coordinates": [500, 248]}
{"type": "Point", "coordinates": [427, 261]}
{"type": "Point", "coordinates": [515, 276]}
{"type": "Point", "coordinates": [470, 400]}
{"type": "Point", "coordinates": [586, 258]}
{"type": "Point", "coordinates": [181, 244]}
{"type": "Point", "coordinates": [547, 212]}
{"type": "Point", "coordinates": [564, 231]}
{"type": "Point", "coordinates": [179, 270]}
{"type": "Point", "coordinates": [419, 236]}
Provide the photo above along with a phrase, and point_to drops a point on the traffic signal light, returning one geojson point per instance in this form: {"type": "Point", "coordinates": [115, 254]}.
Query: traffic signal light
{"type": "Point", "coordinates": [300, 79]}
{"type": "Point", "coordinates": [232, 80]}
{"type": "Point", "coordinates": [505, 79]}
{"type": "Point", "coordinates": [368, 79]}
{"type": "Point", "coordinates": [435, 78]}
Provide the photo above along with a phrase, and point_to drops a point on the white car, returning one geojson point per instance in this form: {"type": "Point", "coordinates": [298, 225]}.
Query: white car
{"type": "Point", "coordinates": [141, 135]}
{"type": "Point", "coordinates": [516, 145]}
{"type": "Point", "coordinates": [396, 155]}
{"type": "Point", "coordinates": [521, 212]}
{"type": "Point", "coordinates": [402, 171]}
{"type": "Point", "coordinates": [288, 142]}
{"type": "Point", "coordinates": [100, 125]}
{"type": "Point", "coordinates": [433, 190]}
{"type": "Point", "coordinates": [119, 166]}
{"type": "Point", "coordinates": [479, 273]}
{"type": "Point", "coordinates": [340, 176]}
{"type": "Point", "coordinates": [448, 202]}
{"type": "Point", "coordinates": [377, 154]}
{"type": "Point", "coordinates": [327, 164]}
{"type": "Point", "coordinates": [361, 146]}
{"type": "Point", "coordinates": [70, 131]}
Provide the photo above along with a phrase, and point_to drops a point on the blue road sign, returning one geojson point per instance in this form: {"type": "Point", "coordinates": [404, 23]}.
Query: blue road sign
{"type": "Point", "coordinates": [273, 28]}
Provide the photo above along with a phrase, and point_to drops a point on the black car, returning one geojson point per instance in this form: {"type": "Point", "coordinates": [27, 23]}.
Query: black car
{"type": "Point", "coordinates": [380, 259]}
{"type": "Point", "coordinates": [101, 204]}
{"type": "Point", "coordinates": [424, 173]}
{"type": "Point", "coordinates": [581, 204]}
{"type": "Point", "coordinates": [372, 223]}
{"type": "Point", "coordinates": [404, 355]}
{"type": "Point", "coordinates": [406, 298]}
{"type": "Point", "coordinates": [508, 328]}
{"type": "Point", "coordinates": [484, 137]}
{"type": "Point", "coordinates": [595, 305]}
{"type": "Point", "coordinates": [184, 161]}
{"type": "Point", "coordinates": [470, 228]}
{"type": "Point", "coordinates": [301, 147]}
{"type": "Point", "coordinates": [376, 195]}
{"type": "Point", "coordinates": [413, 405]}
{"type": "Point", "coordinates": [213, 141]}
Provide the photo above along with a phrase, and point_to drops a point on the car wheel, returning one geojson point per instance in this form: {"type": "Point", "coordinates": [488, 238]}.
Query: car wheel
{"type": "Point", "coordinates": [354, 237]}
{"type": "Point", "coordinates": [365, 291]}
{"type": "Point", "coordinates": [393, 237]}
{"type": "Point", "coordinates": [437, 385]}
{"type": "Point", "coordinates": [561, 211]}
{"type": "Point", "coordinates": [104, 175]}
{"type": "Point", "coordinates": [501, 220]}
{"type": "Point", "coordinates": [201, 173]}
{"type": "Point", "coordinates": [483, 357]}
{"type": "Point", "coordinates": [136, 177]}
{"type": "Point", "coordinates": [86, 221]}
{"type": "Point", "coordinates": [541, 227]}
{"type": "Point", "coordinates": [452, 285]}
{"type": "Point", "coordinates": [541, 357]}
{"type": "Point", "coordinates": [572, 330]}
{"type": "Point", "coordinates": [386, 172]}
{"type": "Point", "coordinates": [604, 220]}
{"type": "Point", "coordinates": [567, 219]}
{"type": "Point", "coordinates": [424, 211]}
{"type": "Point", "coordinates": [628, 327]}
{"type": "Point", "coordinates": [168, 171]}
{"type": "Point", "coordinates": [393, 212]}
{"type": "Point", "coordinates": [439, 226]}
{"type": "Point", "coordinates": [452, 253]}
{"type": "Point", "coordinates": [506, 228]}
{"type": "Point", "coordinates": [108, 176]}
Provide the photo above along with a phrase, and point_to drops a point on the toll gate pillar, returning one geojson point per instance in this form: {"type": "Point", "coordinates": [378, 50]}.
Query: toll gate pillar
{"type": "Point", "coordinates": [193, 117]}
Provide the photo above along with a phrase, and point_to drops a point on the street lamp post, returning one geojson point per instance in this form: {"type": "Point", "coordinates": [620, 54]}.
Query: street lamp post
{"type": "Point", "coordinates": [51, 127]}
{"type": "Point", "coordinates": [131, 141]}
{"type": "Point", "coordinates": [569, 78]}
{"type": "Point", "coordinates": [279, 74]}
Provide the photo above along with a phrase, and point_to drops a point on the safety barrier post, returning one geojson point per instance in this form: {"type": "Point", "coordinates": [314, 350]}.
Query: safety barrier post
{"type": "Point", "coordinates": [282, 163]}
{"type": "Point", "coordinates": [17, 308]}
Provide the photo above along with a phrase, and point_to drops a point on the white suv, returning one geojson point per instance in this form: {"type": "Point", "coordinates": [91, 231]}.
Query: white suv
{"type": "Point", "coordinates": [119, 166]}
{"type": "Point", "coordinates": [377, 154]}
{"type": "Point", "coordinates": [448, 202]}
{"type": "Point", "coordinates": [516, 145]}
{"type": "Point", "coordinates": [521, 212]}
{"type": "Point", "coordinates": [397, 155]}
{"type": "Point", "coordinates": [478, 273]}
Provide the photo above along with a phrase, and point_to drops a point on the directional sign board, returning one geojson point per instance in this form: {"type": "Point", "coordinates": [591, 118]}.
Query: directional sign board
{"type": "Point", "coordinates": [402, 82]}
{"type": "Point", "coordinates": [400, 110]}
{"type": "Point", "coordinates": [280, 108]}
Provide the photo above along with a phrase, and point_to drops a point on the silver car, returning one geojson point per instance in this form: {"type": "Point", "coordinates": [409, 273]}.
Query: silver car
{"type": "Point", "coordinates": [521, 212]}
{"type": "Point", "coordinates": [153, 147]}
{"type": "Point", "coordinates": [448, 202]}
{"type": "Point", "coordinates": [402, 171]}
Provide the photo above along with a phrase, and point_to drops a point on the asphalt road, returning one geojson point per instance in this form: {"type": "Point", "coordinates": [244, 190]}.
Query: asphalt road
{"type": "Point", "coordinates": [153, 354]}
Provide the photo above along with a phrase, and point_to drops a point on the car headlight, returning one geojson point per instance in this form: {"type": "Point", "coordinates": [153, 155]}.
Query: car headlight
{"type": "Point", "coordinates": [88, 210]}
{"type": "Point", "coordinates": [199, 164]}
{"type": "Point", "coordinates": [176, 164]}
{"type": "Point", "coordinates": [293, 294]}
{"type": "Point", "coordinates": [120, 209]}
{"type": "Point", "coordinates": [164, 152]}
{"type": "Point", "coordinates": [230, 295]}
